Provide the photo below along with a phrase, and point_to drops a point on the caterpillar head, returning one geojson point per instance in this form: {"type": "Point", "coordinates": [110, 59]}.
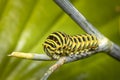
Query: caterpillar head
{"type": "Point", "coordinates": [53, 44]}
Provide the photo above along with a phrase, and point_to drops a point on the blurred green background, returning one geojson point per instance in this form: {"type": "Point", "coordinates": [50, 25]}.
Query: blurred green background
{"type": "Point", "coordinates": [24, 25]}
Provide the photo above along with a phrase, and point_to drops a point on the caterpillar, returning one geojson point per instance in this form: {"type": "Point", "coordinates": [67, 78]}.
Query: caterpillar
{"type": "Point", "coordinates": [60, 44]}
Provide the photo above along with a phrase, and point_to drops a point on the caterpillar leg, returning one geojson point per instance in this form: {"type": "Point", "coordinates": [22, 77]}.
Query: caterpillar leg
{"type": "Point", "coordinates": [59, 63]}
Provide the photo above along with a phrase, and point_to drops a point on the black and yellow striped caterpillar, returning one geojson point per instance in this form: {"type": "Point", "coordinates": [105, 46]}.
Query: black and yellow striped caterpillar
{"type": "Point", "coordinates": [60, 44]}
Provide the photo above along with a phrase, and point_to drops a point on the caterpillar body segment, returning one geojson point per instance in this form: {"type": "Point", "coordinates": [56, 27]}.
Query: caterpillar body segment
{"type": "Point", "coordinates": [60, 44]}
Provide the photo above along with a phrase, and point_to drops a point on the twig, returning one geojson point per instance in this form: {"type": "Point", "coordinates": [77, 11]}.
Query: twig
{"type": "Point", "coordinates": [77, 17]}
{"type": "Point", "coordinates": [114, 51]}
{"type": "Point", "coordinates": [32, 56]}
{"type": "Point", "coordinates": [59, 63]}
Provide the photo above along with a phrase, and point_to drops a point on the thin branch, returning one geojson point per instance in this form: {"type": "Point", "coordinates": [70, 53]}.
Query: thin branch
{"type": "Point", "coordinates": [44, 57]}
{"type": "Point", "coordinates": [32, 56]}
{"type": "Point", "coordinates": [77, 17]}
{"type": "Point", "coordinates": [114, 51]}
{"type": "Point", "coordinates": [75, 57]}
{"type": "Point", "coordinates": [59, 63]}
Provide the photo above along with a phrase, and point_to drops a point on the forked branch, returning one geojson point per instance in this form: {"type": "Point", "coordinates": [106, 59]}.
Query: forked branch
{"type": "Point", "coordinates": [105, 45]}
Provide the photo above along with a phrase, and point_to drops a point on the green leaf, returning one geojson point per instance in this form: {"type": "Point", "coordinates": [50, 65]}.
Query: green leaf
{"type": "Point", "coordinates": [25, 24]}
